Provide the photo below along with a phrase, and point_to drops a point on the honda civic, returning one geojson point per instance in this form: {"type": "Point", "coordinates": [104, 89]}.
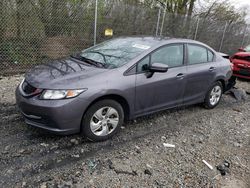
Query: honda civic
{"type": "Point", "coordinates": [94, 91]}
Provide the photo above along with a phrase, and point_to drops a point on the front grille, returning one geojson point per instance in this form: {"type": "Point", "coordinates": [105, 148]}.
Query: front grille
{"type": "Point", "coordinates": [28, 89]}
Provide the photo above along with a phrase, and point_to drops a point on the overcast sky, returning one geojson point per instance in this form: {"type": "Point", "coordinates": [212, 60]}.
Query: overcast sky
{"type": "Point", "coordinates": [242, 4]}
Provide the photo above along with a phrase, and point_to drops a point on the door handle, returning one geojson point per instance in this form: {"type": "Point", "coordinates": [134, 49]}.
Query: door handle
{"type": "Point", "coordinates": [212, 69]}
{"type": "Point", "coordinates": [180, 76]}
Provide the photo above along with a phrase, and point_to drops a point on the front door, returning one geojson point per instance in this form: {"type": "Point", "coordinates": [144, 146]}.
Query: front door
{"type": "Point", "coordinates": [162, 90]}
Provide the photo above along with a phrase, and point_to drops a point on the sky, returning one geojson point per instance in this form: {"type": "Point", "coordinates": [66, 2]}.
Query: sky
{"type": "Point", "coordinates": [242, 4]}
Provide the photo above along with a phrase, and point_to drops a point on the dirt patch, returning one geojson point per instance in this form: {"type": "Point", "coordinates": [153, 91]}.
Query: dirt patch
{"type": "Point", "coordinates": [233, 183]}
{"type": "Point", "coordinates": [7, 88]}
{"type": "Point", "coordinates": [136, 157]}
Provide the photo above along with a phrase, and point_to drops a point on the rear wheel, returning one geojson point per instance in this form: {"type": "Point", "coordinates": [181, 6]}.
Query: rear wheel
{"type": "Point", "coordinates": [213, 96]}
{"type": "Point", "coordinates": [102, 120]}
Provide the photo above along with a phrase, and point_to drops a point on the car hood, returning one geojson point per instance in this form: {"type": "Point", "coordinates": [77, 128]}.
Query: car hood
{"type": "Point", "coordinates": [62, 74]}
{"type": "Point", "coordinates": [241, 58]}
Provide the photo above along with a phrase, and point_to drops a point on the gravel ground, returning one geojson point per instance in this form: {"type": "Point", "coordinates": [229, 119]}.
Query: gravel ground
{"type": "Point", "coordinates": [136, 157]}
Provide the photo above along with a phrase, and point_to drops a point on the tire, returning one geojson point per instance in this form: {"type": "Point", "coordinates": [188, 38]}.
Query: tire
{"type": "Point", "coordinates": [102, 120]}
{"type": "Point", "coordinates": [216, 91]}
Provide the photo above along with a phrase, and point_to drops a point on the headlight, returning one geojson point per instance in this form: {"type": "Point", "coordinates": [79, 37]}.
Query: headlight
{"type": "Point", "coordinates": [61, 94]}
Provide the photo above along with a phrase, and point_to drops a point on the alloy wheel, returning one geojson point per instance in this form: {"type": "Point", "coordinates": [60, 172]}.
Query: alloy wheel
{"type": "Point", "coordinates": [104, 121]}
{"type": "Point", "coordinates": [215, 95]}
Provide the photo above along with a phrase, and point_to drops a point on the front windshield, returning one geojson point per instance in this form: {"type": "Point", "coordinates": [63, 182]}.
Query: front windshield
{"type": "Point", "coordinates": [247, 49]}
{"type": "Point", "coordinates": [117, 52]}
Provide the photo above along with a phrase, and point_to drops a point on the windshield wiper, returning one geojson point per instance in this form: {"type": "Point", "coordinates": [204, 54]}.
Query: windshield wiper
{"type": "Point", "coordinates": [97, 52]}
{"type": "Point", "coordinates": [89, 61]}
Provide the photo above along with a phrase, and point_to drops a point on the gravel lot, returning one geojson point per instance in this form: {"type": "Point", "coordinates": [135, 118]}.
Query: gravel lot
{"type": "Point", "coordinates": [136, 157]}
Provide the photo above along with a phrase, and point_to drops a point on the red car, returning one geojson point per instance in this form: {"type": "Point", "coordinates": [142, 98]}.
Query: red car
{"type": "Point", "coordinates": [241, 63]}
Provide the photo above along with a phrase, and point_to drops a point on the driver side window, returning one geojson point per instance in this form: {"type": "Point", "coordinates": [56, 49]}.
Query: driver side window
{"type": "Point", "coordinates": [171, 55]}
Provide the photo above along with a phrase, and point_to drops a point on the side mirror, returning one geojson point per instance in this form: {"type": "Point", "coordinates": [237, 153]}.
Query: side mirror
{"type": "Point", "coordinates": [158, 67]}
{"type": "Point", "coordinates": [241, 49]}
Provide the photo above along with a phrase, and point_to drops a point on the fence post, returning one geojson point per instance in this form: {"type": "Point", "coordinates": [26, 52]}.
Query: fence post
{"type": "Point", "coordinates": [222, 39]}
{"type": "Point", "coordinates": [158, 22]}
{"type": "Point", "coordinates": [96, 5]}
{"type": "Point", "coordinates": [248, 40]}
{"type": "Point", "coordinates": [244, 34]}
{"type": "Point", "coordinates": [196, 29]}
{"type": "Point", "coordinates": [163, 19]}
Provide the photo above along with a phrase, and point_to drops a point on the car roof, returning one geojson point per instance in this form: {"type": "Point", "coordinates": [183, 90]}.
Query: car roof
{"type": "Point", "coordinates": [158, 41]}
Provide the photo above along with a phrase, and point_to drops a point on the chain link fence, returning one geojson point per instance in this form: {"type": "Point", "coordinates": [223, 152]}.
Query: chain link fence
{"type": "Point", "coordinates": [35, 31]}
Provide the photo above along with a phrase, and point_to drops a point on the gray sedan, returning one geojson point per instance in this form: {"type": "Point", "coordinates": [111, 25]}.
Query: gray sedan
{"type": "Point", "coordinates": [96, 90]}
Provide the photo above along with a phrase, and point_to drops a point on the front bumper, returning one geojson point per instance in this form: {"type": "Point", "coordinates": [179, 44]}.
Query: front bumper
{"type": "Point", "coordinates": [241, 76]}
{"type": "Point", "coordinates": [241, 72]}
{"type": "Point", "coordinates": [57, 116]}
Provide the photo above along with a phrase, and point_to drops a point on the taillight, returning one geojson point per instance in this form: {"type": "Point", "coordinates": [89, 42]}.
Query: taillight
{"type": "Point", "coordinates": [231, 65]}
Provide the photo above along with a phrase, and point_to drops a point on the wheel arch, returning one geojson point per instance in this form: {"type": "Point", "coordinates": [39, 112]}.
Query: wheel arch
{"type": "Point", "coordinates": [118, 98]}
{"type": "Point", "coordinates": [223, 82]}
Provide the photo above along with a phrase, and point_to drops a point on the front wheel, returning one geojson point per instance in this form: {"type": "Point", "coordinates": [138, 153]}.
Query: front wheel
{"type": "Point", "coordinates": [213, 95]}
{"type": "Point", "coordinates": [102, 120]}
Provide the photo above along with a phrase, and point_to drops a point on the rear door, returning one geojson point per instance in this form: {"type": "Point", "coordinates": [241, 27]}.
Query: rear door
{"type": "Point", "coordinates": [162, 90]}
{"type": "Point", "coordinates": [201, 73]}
